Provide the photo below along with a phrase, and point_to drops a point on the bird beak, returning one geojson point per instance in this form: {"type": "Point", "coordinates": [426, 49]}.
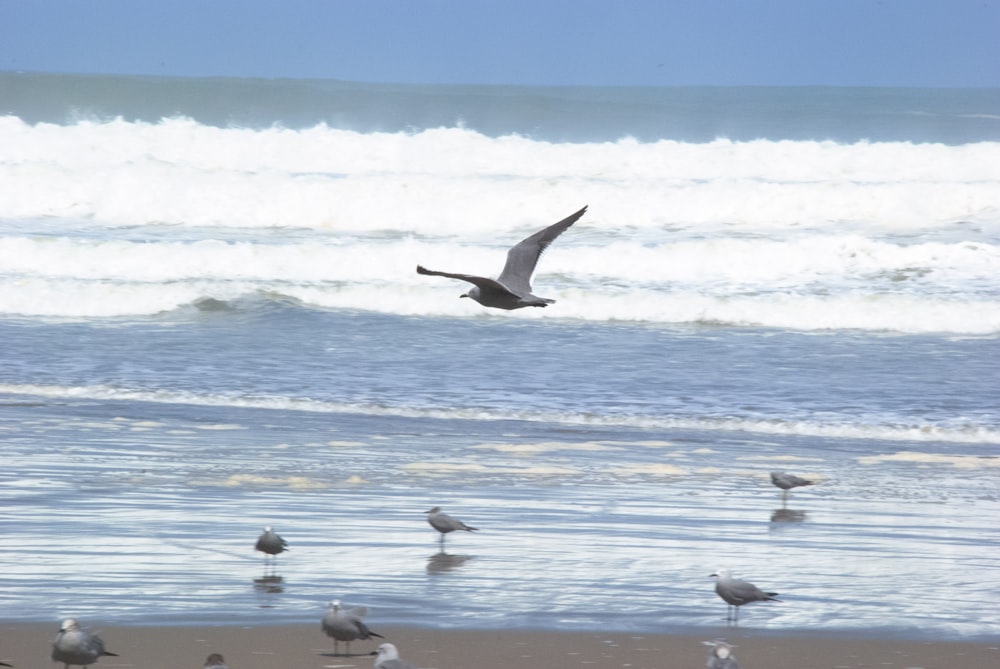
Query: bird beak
{"type": "Point", "coordinates": [464, 295]}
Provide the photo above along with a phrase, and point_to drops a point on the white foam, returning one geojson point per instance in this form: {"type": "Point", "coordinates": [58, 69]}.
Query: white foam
{"type": "Point", "coordinates": [934, 459]}
{"type": "Point", "coordinates": [811, 282]}
{"type": "Point", "coordinates": [458, 181]}
{"type": "Point", "coordinates": [126, 219]}
{"type": "Point", "coordinates": [923, 432]}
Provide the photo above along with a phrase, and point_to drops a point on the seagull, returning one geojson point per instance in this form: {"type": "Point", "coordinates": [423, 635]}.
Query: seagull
{"type": "Point", "coordinates": [788, 481]}
{"type": "Point", "coordinates": [444, 523]}
{"type": "Point", "coordinates": [346, 625]}
{"type": "Point", "coordinates": [270, 544]}
{"type": "Point", "coordinates": [721, 656]}
{"type": "Point", "coordinates": [216, 661]}
{"type": "Point", "coordinates": [512, 289]}
{"type": "Point", "coordinates": [388, 658]}
{"type": "Point", "coordinates": [76, 646]}
{"type": "Point", "coordinates": [736, 593]}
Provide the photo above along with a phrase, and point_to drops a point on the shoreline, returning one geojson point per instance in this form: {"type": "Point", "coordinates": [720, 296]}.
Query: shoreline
{"type": "Point", "coordinates": [305, 646]}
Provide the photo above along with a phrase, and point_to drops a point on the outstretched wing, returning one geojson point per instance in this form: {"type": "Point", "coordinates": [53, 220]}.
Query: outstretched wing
{"type": "Point", "coordinates": [483, 282]}
{"type": "Point", "coordinates": [522, 257]}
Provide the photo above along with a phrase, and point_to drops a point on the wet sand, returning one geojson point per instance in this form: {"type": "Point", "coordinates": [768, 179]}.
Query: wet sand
{"type": "Point", "coordinates": [306, 647]}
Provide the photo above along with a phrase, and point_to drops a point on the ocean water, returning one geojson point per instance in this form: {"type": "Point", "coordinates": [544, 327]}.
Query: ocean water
{"type": "Point", "coordinates": [210, 322]}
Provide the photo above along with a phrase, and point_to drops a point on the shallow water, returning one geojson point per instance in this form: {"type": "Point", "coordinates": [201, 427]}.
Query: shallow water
{"type": "Point", "coordinates": [135, 505]}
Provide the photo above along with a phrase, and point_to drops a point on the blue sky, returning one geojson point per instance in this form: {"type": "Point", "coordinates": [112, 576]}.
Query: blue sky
{"type": "Point", "coordinates": [947, 43]}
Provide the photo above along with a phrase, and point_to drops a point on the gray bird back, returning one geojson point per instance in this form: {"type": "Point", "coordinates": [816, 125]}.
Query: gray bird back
{"type": "Point", "coordinates": [346, 625]}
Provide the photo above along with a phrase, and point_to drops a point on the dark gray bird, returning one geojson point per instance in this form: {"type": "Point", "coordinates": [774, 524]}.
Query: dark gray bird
{"type": "Point", "coordinates": [788, 481]}
{"type": "Point", "coordinates": [271, 545]}
{"type": "Point", "coordinates": [215, 661]}
{"type": "Point", "coordinates": [346, 625]}
{"type": "Point", "coordinates": [388, 658]}
{"type": "Point", "coordinates": [721, 656]}
{"type": "Point", "coordinates": [512, 289]}
{"type": "Point", "coordinates": [444, 523]}
{"type": "Point", "coordinates": [76, 646]}
{"type": "Point", "coordinates": [736, 593]}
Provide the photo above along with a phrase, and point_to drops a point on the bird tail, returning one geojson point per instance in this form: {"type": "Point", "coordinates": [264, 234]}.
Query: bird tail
{"type": "Point", "coordinates": [772, 597]}
{"type": "Point", "coordinates": [367, 633]}
{"type": "Point", "coordinates": [470, 529]}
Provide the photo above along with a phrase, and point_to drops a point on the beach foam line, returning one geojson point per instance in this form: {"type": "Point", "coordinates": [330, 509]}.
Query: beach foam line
{"type": "Point", "coordinates": [968, 434]}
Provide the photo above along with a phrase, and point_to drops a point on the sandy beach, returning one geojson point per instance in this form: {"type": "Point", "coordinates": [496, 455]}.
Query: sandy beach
{"type": "Point", "coordinates": [305, 646]}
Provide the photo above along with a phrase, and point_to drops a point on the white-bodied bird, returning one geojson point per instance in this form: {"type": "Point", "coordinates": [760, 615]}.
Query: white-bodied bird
{"type": "Point", "coordinates": [721, 656]}
{"type": "Point", "coordinates": [388, 658]}
{"type": "Point", "coordinates": [77, 646]}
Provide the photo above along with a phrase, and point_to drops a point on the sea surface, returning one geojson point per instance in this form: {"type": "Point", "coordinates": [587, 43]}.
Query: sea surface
{"type": "Point", "coordinates": [210, 322]}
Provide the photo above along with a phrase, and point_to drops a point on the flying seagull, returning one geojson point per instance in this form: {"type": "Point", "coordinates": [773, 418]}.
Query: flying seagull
{"type": "Point", "coordinates": [271, 545]}
{"type": "Point", "coordinates": [346, 625]}
{"type": "Point", "coordinates": [512, 289]}
{"type": "Point", "coordinates": [788, 481]}
{"type": "Point", "coordinates": [388, 658]}
{"type": "Point", "coordinates": [76, 646]}
{"type": "Point", "coordinates": [444, 523]}
{"type": "Point", "coordinates": [736, 593]}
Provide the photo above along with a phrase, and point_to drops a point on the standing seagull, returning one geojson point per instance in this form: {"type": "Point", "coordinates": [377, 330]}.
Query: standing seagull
{"type": "Point", "coordinates": [216, 661]}
{"type": "Point", "coordinates": [736, 593]}
{"type": "Point", "coordinates": [444, 523]}
{"type": "Point", "coordinates": [346, 625]}
{"type": "Point", "coordinates": [512, 289]}
{"type": "Point", "coordinates": [788, 481]}
{"type": "Point", "coordinates": [76, 646]}
{"type": "Point", "coordinates": [271, 545]}
{"type": "Point", "coordinates": [388, 658]}
{"type": "Point", "coordinates": [721, 656]}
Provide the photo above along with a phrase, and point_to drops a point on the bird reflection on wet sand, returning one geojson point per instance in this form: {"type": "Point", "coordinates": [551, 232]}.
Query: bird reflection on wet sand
{"type": "Point", "coordinates": [269, 585]}
{"type": "Point", "coordinates": [784, 515]}
{"type": "Point", "coordinates": [444, 562]}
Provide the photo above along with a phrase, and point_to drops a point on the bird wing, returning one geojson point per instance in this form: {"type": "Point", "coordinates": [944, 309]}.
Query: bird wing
{"type": "Point", "coordinates": [742, 590]}
{"type": "Point", "coordinates": [483, 282]}
{"type": "Point", "coordinates": [442, 522]}
{"type": "Point", "coordinates": [364, 632]}
{"type": "Point", "coordinates": [523, 256]}
{"type": "Point", "coordinates": [787, 481]}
